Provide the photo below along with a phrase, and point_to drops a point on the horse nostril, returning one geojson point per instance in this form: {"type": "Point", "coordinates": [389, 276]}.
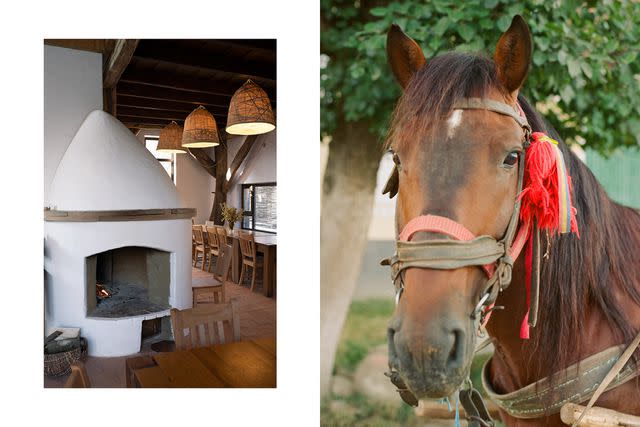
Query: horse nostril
{"type": "Point", "coordinates": [456, 355]}
{"type": "Point", "coordinates": [392, 346]}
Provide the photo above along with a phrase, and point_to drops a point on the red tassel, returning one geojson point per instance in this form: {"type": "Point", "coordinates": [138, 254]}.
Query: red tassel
{"type": "Point", "coordinates": [528, 263]}
{"type": "Point", "coordinates": [540, 194]}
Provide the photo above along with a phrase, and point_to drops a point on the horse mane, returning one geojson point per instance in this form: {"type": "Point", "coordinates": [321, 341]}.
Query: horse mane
{"type": "Point", "coordinates": [598, 271]}
{"type": "Point", "coordinates": [431, 92]}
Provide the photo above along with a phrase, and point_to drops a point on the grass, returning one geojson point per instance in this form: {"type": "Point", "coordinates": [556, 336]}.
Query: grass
{"type": "Point", "coordinates": [365, 329]}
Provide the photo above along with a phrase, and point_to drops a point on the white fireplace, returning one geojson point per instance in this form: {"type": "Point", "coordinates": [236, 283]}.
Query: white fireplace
{"type": "Point", "coordinates": [114, 222]}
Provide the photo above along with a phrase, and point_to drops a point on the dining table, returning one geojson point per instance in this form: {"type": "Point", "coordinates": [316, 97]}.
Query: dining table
{"type": "Point", "coordinates": [267, 244]}
{"type": "Point", "coordinates": [242, 364]}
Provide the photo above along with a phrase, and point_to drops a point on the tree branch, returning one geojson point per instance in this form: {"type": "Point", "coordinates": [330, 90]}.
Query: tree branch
{"type": "Point", "coordinates": [242, 153]}
{"type": "Point", "coordinates": [205, 161]}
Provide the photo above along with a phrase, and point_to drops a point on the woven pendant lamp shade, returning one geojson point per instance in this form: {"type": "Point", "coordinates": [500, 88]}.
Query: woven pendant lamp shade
{"type": "Point", "coordinates": [171, 139]}
{"type": "Point", "coordinates": [200, 129]}
{"type": "Point", "coordinates": [250, 111]}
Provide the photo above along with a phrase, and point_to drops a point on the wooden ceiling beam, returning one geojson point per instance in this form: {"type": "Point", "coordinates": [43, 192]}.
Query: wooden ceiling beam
{"type": "Point", "coordinates": [156, 123]}
{"type": "Point", "coordinates": [171, 94]}
{"type": "Point", "coordinates": [188, 83]}
{"type": "Point", "coordinates": [118, 61]}
{"type": "Point", "coordinates": [161, 104]}
{"type": "Point", "coordinates": [90, 45]}
{"type": "Point", "coordinates": [154, 50]}
{"type": "Point", "coordinates": [159, 114]}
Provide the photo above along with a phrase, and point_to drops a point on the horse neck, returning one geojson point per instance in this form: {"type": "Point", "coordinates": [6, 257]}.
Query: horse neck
{"type": "Point", "coordinates": [597, 290]}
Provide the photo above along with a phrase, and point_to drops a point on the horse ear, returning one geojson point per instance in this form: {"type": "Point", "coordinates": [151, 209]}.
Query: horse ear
{"type": "Point", "coordinates": [513, 55]}
{"type": "Point", "coordinates": [404, 55]}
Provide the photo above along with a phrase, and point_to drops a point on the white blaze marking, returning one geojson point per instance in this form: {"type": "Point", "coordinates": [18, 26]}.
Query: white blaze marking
{"type": "Point", "coordinates": [454, 121]}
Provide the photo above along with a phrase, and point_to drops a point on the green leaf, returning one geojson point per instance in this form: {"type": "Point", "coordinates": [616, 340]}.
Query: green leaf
{"type": "Point", "coordinates": [586, 69]}
{"type": "Point", "coordinates": [562, 57]}
{"type": "Point", "coordinates": [466, 32]}
{"type": "Point", "coordinates": [378, 11]}
{"type": "Point", "coordinates": [574, 67]}
{"type": "Point", "coordinates": [441, 27]}
{"type": "Point", "coordinates": [567, 94]}
{"type": "Point", "coordinates": [504, 22]}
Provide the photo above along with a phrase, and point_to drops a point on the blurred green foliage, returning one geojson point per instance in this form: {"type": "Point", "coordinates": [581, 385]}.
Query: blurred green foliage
{"type": "Point", "coordinates": [364, 329]}
{"type": "Point", "coordinates": [585, 75]}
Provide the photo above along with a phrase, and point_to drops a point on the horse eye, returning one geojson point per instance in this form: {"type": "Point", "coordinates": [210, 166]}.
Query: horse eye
{"type": "Point", "coordinates": [511, 159]}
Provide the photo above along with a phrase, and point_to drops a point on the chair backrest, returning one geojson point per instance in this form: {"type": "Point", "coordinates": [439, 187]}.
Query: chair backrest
{"type": "Point", "coordinates": [197, 234]}
{"type": "Point", "coordinates": [222, 235]}
{"type": "Point", "coordinates": [203, 326]}
{"type": "Point", "coordinates": [223, 264]}
{"type": "Point", "coordinates": [78, 377]}
{"type": "Point", "coordinates": [212, 237]}
{"type": "Point", "coordinates": [247, 245]}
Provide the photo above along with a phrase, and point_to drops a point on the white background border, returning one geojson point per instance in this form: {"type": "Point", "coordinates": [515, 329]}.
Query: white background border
{"type": "Point", "coordinates": [296, 25]}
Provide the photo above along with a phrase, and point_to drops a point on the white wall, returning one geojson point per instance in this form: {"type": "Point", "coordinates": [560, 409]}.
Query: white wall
{"type": "Point", "coordinates": [72, 89]}
{"type": "Point", "coordinates": [194, 184]}
{"type": "Point", "coordinates": [260, 165]}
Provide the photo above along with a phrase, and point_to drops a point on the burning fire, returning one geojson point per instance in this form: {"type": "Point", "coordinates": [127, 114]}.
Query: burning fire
{"type": "Point", "coordinates": [101, 292]}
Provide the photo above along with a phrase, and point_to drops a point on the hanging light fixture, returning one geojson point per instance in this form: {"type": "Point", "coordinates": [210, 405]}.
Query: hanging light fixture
{"type": "Point", "coordinates": [250, 111]}
{"type": "Point", "coordinates": [170, 140]}
{"type": "Point", "coordinates": [200, 129]}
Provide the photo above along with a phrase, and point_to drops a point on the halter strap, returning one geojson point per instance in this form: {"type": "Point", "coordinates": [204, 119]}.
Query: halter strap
{"type": "Point", "coordinates": [495, 106]}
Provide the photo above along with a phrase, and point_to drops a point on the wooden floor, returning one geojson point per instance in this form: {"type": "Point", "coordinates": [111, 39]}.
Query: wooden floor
{"type": "Point", "coordinates": [257, 320]}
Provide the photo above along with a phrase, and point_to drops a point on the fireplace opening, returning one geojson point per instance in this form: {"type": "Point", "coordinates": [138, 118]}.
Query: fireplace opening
{"type": "Point", "coordinates": [127, 281]}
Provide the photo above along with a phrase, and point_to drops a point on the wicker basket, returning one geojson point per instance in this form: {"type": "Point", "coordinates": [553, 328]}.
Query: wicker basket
{"type": "Point", "coordinates": [58, 364]}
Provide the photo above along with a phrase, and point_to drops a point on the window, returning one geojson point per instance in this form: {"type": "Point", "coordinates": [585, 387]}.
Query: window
{"type": "Point", "coordinates": [167, 160]}
{"type": "Point", "coordinates": [260, 208]}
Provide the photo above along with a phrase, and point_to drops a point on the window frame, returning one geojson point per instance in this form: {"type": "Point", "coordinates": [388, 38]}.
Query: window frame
{"type": "Point", "coordinates": [252, 213]}
{"type": "Point", "coordinates": [171, 160]}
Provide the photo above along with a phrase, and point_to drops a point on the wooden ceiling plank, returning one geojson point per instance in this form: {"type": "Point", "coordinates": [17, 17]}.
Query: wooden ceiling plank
{"type": "Point", "coordinates": [158, 123]}
{"type": "Point", "coordinates": [168, 80]}
{"type": "Point", "coordinates": [169, 105]}
{"type": "Point", "coordinates": [90, 45]}
{"type": "Point", "coordinates": [192, 57]}
{"type": "Point", "coordinates": [171, 94]}
{"type": "Point", "coordinates": [118, 61]}
{"type": "Point", "coordinates": [160, 114]}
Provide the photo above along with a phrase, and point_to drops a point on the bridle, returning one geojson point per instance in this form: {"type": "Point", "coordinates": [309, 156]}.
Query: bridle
{"type": "Point", "coordinates": [604, 370]}
{"type": "Point", "coordinates": [463, 248]}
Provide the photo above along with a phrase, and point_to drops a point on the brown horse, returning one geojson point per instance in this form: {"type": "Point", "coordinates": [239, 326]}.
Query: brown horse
{"type": "Point", "coordinates": [462, 164]}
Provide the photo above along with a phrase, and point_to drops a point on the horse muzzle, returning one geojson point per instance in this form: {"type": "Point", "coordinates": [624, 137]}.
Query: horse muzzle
{"type": "Point", "coordinates": [432, 363]}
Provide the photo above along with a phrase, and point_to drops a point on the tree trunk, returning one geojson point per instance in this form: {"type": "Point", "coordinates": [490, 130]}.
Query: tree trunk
{"type": "Point", "coordinates": [347, 201]}
{"type": "Point", "coordinates": [221, 192]}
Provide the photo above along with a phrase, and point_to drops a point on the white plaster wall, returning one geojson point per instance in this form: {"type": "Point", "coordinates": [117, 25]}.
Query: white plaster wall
{"type": "Point", "coordinates": [260, 165]}
{"type": "Point", "coordinates": [66, 246]}
{"type": "Point", "coordinates": [106, 168]}
{"type": "Point", "coordinates": [194, 184]}
{"type": "Point", "coordinates": [72, 89]}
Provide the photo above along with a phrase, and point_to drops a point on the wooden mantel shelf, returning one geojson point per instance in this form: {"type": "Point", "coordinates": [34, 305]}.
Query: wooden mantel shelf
{"type": "Point", "coordinates": [120, 215]}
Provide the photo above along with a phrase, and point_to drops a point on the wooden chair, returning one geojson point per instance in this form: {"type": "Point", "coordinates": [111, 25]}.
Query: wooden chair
{"type": "Point", "coordinates": [204, 325]}
{"type": "Point", "coordinates": [213, 245]}
{"type": "Point", "coordinates": [249, 256]}
{"type": "Point", "coordinates": [78, 377]}
{"type": "Point", "coordinates": [222, 234]}
{"type": "Point", "coordinates": [213, 291]}
{"type": "Point", "coordinates": [200, 245]}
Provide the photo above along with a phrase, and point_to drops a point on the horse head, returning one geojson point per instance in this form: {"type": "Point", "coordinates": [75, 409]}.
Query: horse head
{"type": "Point", "coordinates": [459, 164]}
